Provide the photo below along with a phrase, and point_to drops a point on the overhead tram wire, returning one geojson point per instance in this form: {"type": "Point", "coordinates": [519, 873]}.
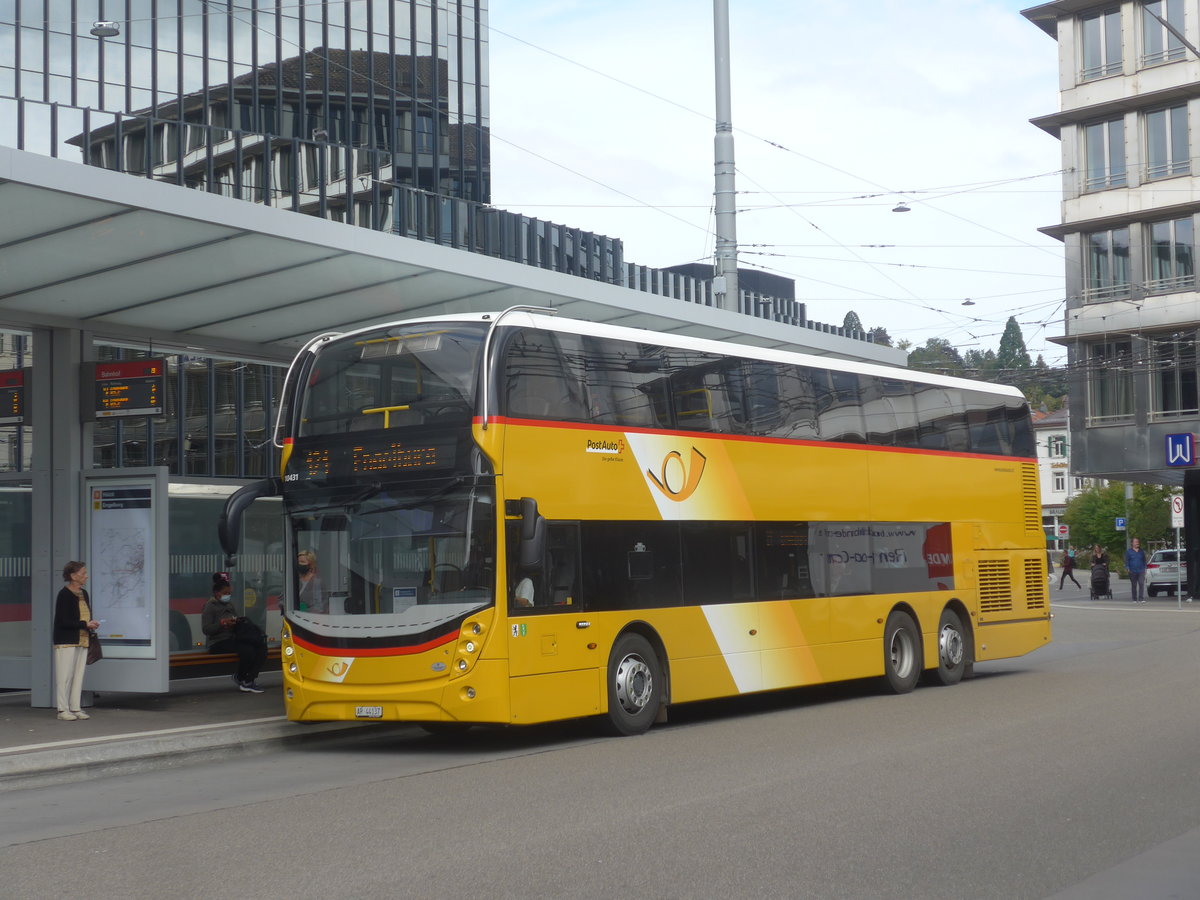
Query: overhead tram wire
{"type": "Point", "coordinates": [641, 203]}
{"type": "Point", "coordinates": [493, 30]}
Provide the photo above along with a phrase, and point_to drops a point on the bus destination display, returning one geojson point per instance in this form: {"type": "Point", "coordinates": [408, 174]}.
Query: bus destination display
{"type": "Point", "coordinates": [130, 388]}
{"type": "Point", "coordinates": [410, 456]}
{"type": "Point", "coordinates": [12, 396]}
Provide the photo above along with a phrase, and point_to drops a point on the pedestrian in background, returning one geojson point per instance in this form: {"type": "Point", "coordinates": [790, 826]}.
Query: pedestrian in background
{"type": "Point", "coordinates": [73, 625]}
{"type": "Point", "coordinates": [1135, 565]}
{"type": "Point", "coordinates": [1068, 567]}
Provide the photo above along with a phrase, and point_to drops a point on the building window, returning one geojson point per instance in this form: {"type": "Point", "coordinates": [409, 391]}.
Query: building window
{"type": "Point", "coordinates": [1167, 142]}
{"type": "Point", "coordinates": [1078, 483]}
{"type": "Point", "coordinates": [1110, 382]}
{"type": "Point", "coordinates": [1108, 265]}
{"type": "Point", "coordinates": [1170, 257]}
{"type": "Point", "coordinates": [1057, 445]}
{"type": "Point", "coordinates": [1174, 381]}
{"type": "Point", "coordinates": [1104, 154]}
{"type": "Point", "coordinates": [1158, 43]}
{"type": "Point", "coordinates": [1060, 482]}
{"type": "Point", "coordinates": [1102, 43]}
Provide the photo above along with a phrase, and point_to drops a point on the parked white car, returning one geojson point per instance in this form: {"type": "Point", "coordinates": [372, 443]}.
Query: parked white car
{"type": "Point", "coordinates": [1165, 570]}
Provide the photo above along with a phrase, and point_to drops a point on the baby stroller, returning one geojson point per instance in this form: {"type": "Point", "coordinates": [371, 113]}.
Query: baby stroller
{"type": "Point", "coordinates": [1100, 586]}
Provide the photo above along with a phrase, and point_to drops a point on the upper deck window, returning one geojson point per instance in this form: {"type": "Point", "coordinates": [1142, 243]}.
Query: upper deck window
{"type": "Point", "coordinates": [405, 375]}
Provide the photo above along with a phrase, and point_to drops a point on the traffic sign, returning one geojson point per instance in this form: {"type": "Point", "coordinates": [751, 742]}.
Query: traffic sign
{"type": "Point", "coordinates": [1120, 523]}
{"type": "Point", "coordinates": [1177, 510]}
{"type": "Point", "coordinates": [1062, 532]}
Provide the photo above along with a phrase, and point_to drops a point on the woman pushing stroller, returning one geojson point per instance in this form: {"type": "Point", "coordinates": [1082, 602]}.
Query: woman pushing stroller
{"type": "Point", "coordinates": [1100, 586]}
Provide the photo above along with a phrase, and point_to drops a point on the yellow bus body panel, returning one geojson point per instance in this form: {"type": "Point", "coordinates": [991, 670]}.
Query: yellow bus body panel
{"type": "Point", "coordinates": [546, 666]}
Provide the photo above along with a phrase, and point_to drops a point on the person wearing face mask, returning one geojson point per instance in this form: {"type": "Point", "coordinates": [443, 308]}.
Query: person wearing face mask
{"type": "Point", "coordinates": [311, 595]}
{"type": "Point", "coordinates": [228, 632]}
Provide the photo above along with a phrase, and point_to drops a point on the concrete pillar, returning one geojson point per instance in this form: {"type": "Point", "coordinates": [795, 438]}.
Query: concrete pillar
{"type": "Point", "coordinates": [55, 399]}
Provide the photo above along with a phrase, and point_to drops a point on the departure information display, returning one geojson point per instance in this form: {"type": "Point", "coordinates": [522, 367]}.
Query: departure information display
{"type": "Point", "coordinates": [130, 388]}
{"type": "Point", "coordinates": [12, 396]}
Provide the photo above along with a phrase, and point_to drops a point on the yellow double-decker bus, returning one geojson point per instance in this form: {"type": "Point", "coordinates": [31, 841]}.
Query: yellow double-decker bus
{"type": "Point", "coordinates": [517, 518]}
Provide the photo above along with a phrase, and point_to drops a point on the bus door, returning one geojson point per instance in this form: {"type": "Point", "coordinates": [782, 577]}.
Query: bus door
{"type": "Point", "coordinates": [555, 673]}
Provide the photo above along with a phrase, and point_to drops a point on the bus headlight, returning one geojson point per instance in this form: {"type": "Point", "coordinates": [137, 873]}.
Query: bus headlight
{"type": "Point", "coordinates": [469, 646]}
{"type": "Point", "coordinates": [462, 665]}
{"type": "Point", "coordinates": [293, 668]}
{"type": "Point", "coordinates": [289, 650]}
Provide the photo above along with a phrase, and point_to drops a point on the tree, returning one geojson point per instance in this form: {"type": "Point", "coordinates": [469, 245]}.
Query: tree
{"type": "Point", "coordinates": [880, 336]}
{"type": "Point", "coordinates": [1093, 516]}
{"type": "Point", "coordinates": [852, 323]}
{"type": "Point", "coordinates": [1012, 357]}
{"type": "Point", "coordinates": [981, 364]}
{"type": "Point", "coordinates": [938, 355]}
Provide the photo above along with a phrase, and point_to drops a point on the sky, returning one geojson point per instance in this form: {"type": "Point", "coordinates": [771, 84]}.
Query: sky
{"type": "Point", "coordinates": [603, 117]}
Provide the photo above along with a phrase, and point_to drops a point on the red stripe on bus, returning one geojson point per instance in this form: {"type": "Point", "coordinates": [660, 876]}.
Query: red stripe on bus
{"type": "Point", "coordinates": [374, 651]}
{"type": "Point", "coordinates": [750, 438]}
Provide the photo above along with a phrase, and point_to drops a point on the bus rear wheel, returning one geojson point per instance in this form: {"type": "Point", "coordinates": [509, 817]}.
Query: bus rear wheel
{"type": "Point", "coordinates": [954, 655]}
{"type": "Point", "coordinates": [901, 652]}
{"type": "Point", "coordinates": [635, 685]}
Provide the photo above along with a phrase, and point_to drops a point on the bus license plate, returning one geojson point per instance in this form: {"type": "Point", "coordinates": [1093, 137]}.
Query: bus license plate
{"type": "Point", "coordinates": [368, 712]}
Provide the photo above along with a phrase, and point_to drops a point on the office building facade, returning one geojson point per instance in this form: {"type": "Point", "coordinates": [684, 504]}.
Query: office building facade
{"type": "Point", "coordinates": [1129, 94]}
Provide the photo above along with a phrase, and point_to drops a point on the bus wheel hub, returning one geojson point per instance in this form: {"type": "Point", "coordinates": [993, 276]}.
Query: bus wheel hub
{"type": "Point", "coordinates": [634, 684]}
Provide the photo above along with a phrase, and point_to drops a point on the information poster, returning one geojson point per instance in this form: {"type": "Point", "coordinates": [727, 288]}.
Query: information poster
{"type": "Point", "coordinates": [120, 564]}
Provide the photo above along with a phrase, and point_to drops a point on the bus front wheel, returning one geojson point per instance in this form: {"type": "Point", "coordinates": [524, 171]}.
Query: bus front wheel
{"type": "Point", "coordinates": [635, 685]}
{"type": "Point", "coordinates": [901, 652]}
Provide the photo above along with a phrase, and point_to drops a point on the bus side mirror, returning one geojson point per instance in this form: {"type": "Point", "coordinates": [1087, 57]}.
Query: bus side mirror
{"type": "Point", "coordinates": [229, 526]}
{"type": "Point", "coordinates": [532, 552]}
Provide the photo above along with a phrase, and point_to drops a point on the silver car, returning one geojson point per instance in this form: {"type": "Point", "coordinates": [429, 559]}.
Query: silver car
{"type": "Point", "coordinates": [1166, 570]}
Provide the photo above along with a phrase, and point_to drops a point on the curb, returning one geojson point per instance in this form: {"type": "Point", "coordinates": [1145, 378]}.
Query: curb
{"type": "Point", "coordinates": [65, 762]}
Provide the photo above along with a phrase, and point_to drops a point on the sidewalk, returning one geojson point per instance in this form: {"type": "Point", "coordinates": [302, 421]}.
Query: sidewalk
{"type": "Point", "coordinates": [135, 732]}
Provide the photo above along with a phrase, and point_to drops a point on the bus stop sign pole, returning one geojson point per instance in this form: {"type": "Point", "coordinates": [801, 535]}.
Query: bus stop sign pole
{"type": "Point", "coordinates": [1177, 523]}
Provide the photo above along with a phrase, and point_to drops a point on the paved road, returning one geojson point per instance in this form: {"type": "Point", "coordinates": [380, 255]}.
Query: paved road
{"type": "Point", "coordinates": [1072, 772]}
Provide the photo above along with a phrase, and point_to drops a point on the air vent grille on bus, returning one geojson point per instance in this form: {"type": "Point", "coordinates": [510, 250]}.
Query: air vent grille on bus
{"type": "Point", "coordinates": [995, 586]}
{"type": "Point", "coordinates": [1029, 496]}
{"type": "Point", "coordinates": [1035, 584]}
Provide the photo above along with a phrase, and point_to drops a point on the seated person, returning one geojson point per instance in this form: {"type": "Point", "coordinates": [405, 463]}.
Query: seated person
{"type": "Point", "coordinates": [523, 593]}
{"type": "Point", "coordinates": [228, 632]}
{"type": "Point", "coordinates": [312, 596]}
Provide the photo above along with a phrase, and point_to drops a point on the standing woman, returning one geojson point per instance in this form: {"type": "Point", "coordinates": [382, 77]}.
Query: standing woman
{"type": "Point", "coordinates": [73, 624]}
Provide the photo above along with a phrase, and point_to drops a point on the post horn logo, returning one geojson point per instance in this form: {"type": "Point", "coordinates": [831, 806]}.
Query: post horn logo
{"type": "Point", "coordinates": [679, 480]}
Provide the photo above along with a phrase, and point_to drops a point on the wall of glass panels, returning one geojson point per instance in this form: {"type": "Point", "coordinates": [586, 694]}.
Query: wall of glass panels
{"type": "Point", "coordinates": [218, 420]}
{"type": "Point", "coordinates": [404, 76]}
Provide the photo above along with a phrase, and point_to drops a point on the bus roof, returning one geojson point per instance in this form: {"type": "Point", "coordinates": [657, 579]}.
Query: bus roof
{"type": "Point", "coordinates": [551, 322]}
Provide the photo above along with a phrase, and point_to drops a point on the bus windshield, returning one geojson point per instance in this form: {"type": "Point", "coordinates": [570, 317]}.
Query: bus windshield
{"type": "Point", "coordinates": [402, 375]}
{"type": "Point", "coordinates": [398, 563]}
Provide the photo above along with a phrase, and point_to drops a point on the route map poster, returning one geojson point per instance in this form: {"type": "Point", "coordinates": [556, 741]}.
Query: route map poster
{"type": "Point", "coordinates": [121, 567]}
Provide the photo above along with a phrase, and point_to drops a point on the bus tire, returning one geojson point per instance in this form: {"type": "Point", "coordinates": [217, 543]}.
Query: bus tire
{"type": "Point", "coordinates": [901, 652]}
{"type": "Point", "coordinates": [953, 648]}
{"type": "Point", "coordinates": [635, 685]}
